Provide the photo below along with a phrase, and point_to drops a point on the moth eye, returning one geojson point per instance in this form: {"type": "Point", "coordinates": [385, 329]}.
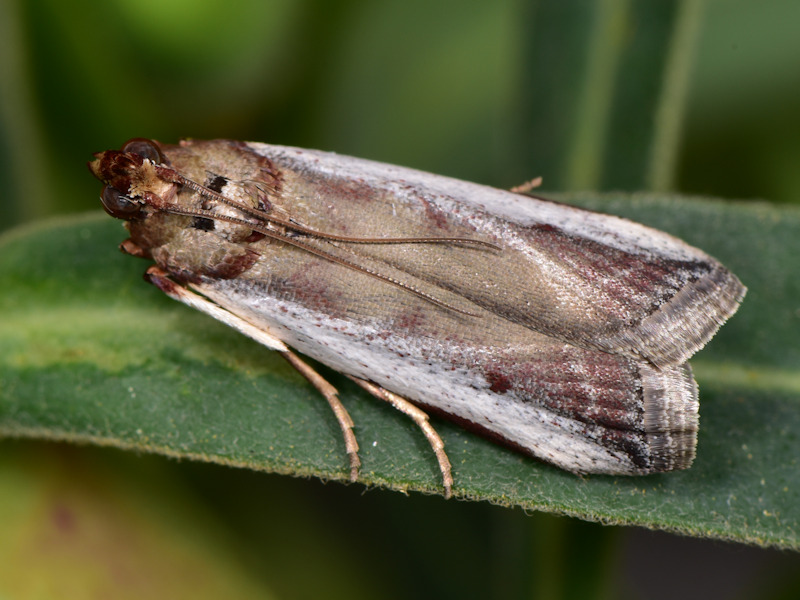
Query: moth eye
{"type": "Point", "coordinates": [118, 205]}
{"type": "Point", "coordinates": [146, 148]}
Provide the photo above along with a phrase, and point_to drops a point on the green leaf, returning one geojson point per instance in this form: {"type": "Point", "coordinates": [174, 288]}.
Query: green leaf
{"type": "Point", "coordinates": [89, 352]}
{"type": "Point", "coordinates": [604, 89]}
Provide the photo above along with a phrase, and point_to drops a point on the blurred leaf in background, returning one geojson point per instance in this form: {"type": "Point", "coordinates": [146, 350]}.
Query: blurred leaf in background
{"type": "Point", "coordinates": [689, 96]}
{"type": "Point", "coordinates": [584, 94]}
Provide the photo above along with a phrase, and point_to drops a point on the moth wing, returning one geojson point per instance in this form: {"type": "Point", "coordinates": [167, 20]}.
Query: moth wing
{"type": "Point", "coordinates": [584, 410]}
{"type": "Point", "coordinates": [594, 280]}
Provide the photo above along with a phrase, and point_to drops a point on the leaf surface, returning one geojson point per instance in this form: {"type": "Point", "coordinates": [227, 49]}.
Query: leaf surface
{"type": "Point", "coordinates": [89, 352]}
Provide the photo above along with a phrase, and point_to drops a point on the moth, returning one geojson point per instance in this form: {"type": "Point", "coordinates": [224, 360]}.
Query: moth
{"type": "Point", "coordinates": [560, 332]}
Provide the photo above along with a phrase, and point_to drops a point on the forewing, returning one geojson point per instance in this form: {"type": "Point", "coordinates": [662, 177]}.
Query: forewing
{"type": "Point", "coordinates": [590, 279]}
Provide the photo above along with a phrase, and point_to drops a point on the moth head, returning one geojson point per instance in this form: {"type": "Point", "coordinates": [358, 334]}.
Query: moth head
{"type": "Point", "coordinates": [130, 174]}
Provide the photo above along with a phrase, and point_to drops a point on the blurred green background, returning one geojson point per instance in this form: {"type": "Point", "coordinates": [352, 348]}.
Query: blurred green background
{"type": "Point", "coordinates": [697, 97]}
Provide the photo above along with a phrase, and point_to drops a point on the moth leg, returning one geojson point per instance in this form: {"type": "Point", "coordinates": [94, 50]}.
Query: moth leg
{"type": "Point", "coordinates": [177, 292]}
{"type": "Point", "coordinates": [419, 417]}
{"type": "Point", "coordinates": [161, 280]}
{"type": "Point", "coordinates": [526, 187]}
{"type": "Point", "coordinates": [332, 396]}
